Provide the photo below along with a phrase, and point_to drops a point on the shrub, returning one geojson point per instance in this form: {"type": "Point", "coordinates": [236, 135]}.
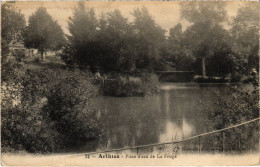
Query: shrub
{"type": "Point", "coordinates": [9, 70]}
{"type": "Point", "coordinates": [55, 109]}
{"type": "Point", "coordinates": [126, 85]}
{"type": "Point", "coordinates": [19, 55]}
{"type": "Point", "coordinates": [38, 83]}
{"type": "Point", "coordinates": [27, 129]}
{"type": "Point", "coordinates": [69, 107]}
{"type": "Point", "coordinates": [22, 123]}
{"type": "Point", "coordinates": [24, 126]}
{"type": "Point", "coordinates": [11, 64]}
{"type": "Point", "coordinates": [239, 106]}
{"type": "Point", "coordinates": [150, 83]}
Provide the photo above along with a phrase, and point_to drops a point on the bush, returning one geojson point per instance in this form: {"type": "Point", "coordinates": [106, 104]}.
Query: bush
{"type": "Point", "coordinates": [239, 106]}
{"type": "Point", "coordinates": [27, 129]}
{"type": "Point", "coordinates": [126, 85]}
{"type": "Point", "coordinates": [150, 83]}
{"type": "Point", "coordinates": [9, 70]}
{"type": "Point", "coordinates": [19, 55]}
{"type": "Point", "coordinates": [69, 107]}
{"type": "Point", "coordinates": [55, 110]}
{"type": "Point", "coordinates": [11, 64]}
{"type": "Point", "coordinates": [24, 126]}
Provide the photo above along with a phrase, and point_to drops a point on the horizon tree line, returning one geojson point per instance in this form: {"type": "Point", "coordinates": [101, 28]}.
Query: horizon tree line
{"type": "Point", "coordinates": [112, 43]}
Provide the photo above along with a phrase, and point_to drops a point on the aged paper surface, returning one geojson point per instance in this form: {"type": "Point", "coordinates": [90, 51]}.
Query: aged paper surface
{"type": "Point", "coordinates": [189, 121]}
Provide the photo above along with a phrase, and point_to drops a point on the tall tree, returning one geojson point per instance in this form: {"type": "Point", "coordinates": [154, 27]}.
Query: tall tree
{"type": "Point", "coordinates": [12, 26]}
{"type": "Point", "coordinates": [81, 45]}
{"type": "Point", "coordinates": [245, 35]}
{"type": "Point", "coordinates": [150, 38]}
{"type": "Point", "coordinates": [43, 33]}
{"type": "Point", "coordinates": [201, 36]}
{"type": "Point", "coordinates": [117, 40]}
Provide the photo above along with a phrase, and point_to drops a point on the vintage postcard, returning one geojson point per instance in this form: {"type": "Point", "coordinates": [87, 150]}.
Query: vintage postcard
{"type": "Point", "coordinates": [130, 83]}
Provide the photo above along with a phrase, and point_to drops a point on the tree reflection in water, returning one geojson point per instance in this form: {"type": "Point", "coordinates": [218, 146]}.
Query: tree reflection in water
{"type": "Point", "coordinates": [174, 114]}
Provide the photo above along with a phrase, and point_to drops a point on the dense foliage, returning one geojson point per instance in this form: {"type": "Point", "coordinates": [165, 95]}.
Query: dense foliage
{"type": "Point", "coordinates": [12, 26]}
{"type": "Point", "coordinates": [112, 43]}
{"type": "Point", "coordinates": [245, 36]}
{"type": "Point", "coordinates": [206, 37]}
{"type": "Point", "coordinates": [139, 85]}
{"type": "Point", "coordinates": [69, 107]}
{"type": "Point", "coordinates": [55, 105]}
{"type": "Point", "coordinates": [238, 106]}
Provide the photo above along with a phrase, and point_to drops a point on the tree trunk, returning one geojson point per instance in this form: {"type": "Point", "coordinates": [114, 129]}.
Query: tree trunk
{"type": "Point", "coordinates": [203, 68]}
{"type": "Point", "coordinates": [42, 56]}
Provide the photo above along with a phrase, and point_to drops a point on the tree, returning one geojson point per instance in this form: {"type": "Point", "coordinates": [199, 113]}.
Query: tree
{"type": "Point", "coordinates": [150, 38]}
{"type": "Point", "coordinates": [174, 42]}
{"type": "Point", "coordinates": [112, 43]}
{"type": "Point", "coordinates": [12, 26]}
{"type": "Point", "coordinates": [118, 43]}
{"type": "Point", "coordinates": [106, 44]}
{"type": "Point", "coordinates": [182, 58]}
{"type": "Point", "coordinates": [81, 45]}
{"type": "Point", "coordinates": [43, 33]}
{"type": "Point", "coordinates": [201, 36]}
{"type": "Point", "coordinates": [245, 35]}
{"type": "Point", "coordinates": [211, 46]}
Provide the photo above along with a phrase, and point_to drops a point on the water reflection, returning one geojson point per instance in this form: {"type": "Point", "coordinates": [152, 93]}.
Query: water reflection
{"type": "Point", "coordinates": [172, 115]}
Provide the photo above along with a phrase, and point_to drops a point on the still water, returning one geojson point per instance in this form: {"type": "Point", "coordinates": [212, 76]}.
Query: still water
{"type": "Point", "coordinates": [176, 113]}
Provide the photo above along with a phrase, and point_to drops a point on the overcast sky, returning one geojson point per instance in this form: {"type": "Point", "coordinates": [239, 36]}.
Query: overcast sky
{"type": "Point", "coordinates": [166, 14]}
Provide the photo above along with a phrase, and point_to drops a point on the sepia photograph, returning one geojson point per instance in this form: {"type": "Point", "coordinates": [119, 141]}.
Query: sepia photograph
{"type": "Point", "coordinates": [130, 83]}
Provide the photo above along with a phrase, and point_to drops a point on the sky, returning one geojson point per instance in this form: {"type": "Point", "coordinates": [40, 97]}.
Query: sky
{"type": "Point", "coordinates": [165, 13]}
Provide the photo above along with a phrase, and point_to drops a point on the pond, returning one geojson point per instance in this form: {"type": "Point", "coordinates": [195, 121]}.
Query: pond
{"type": "Point", "coordinates": [176, 113]}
